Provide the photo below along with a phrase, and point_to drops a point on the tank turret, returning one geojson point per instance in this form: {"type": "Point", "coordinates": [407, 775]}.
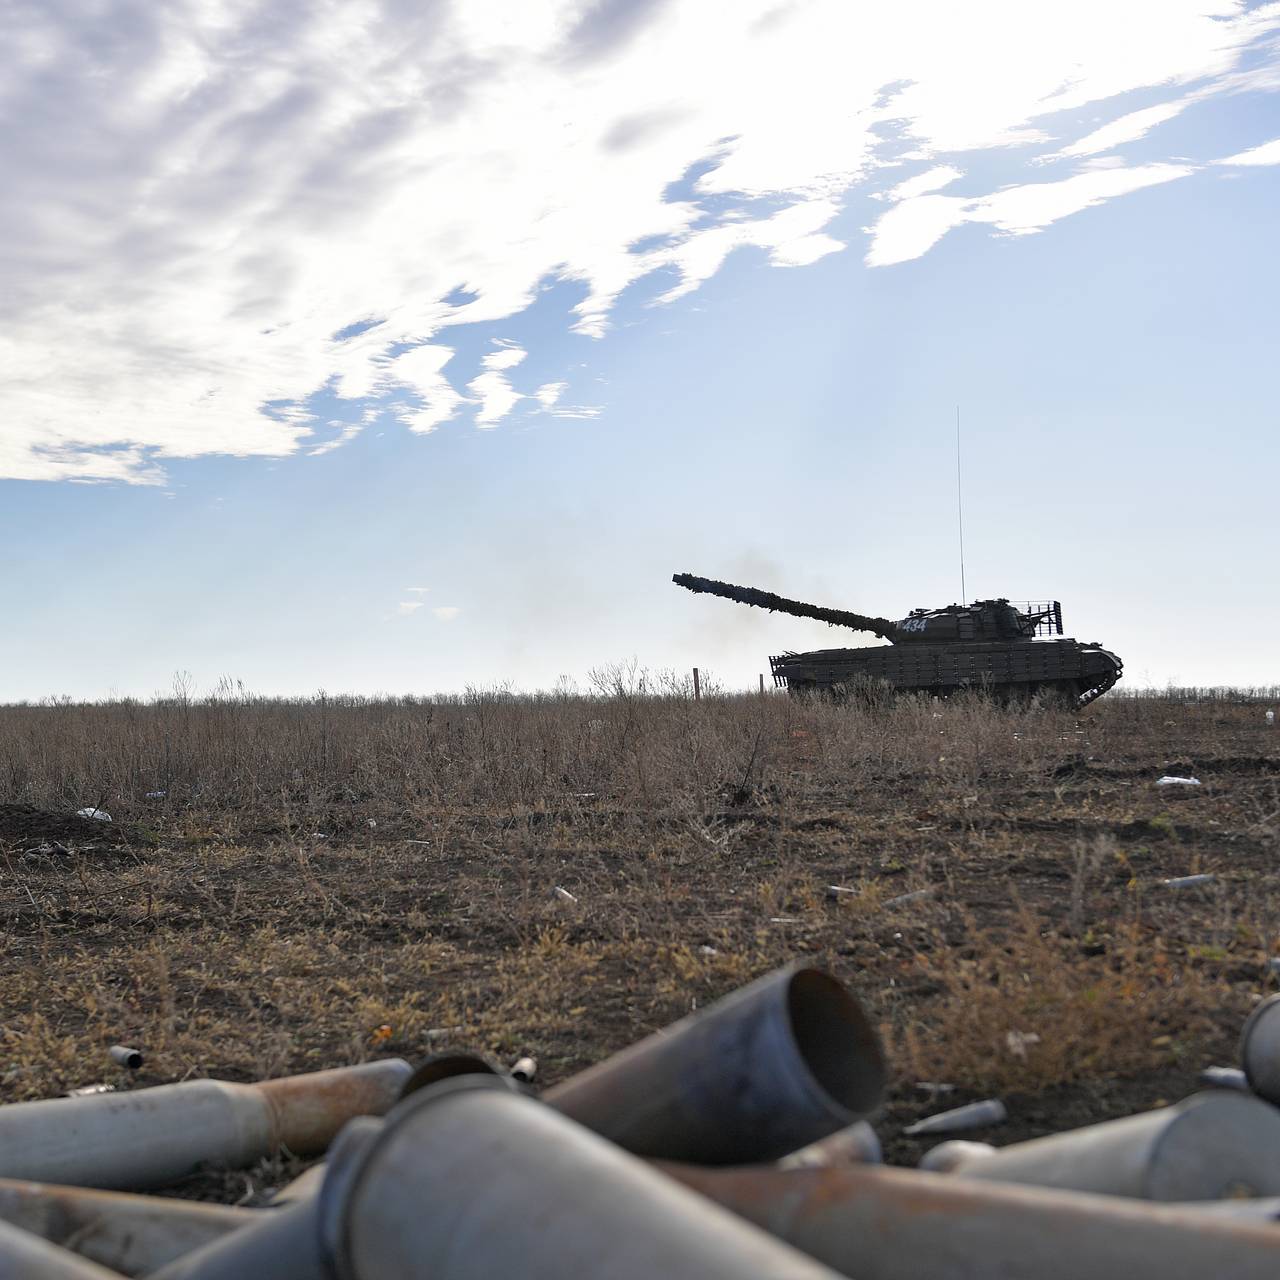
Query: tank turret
{"type": "Point", "coordinates": [956, 624]}
{"type": "Point", "coordinates": [989, 644]}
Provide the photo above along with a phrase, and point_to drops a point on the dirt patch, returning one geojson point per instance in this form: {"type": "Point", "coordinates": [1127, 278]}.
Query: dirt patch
{"type": "Point", "coordinates": [23, 825]}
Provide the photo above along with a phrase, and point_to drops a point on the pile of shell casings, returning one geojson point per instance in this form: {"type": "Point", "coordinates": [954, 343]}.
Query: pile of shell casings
{"type": "Point", "coordinates": [732, 1144]}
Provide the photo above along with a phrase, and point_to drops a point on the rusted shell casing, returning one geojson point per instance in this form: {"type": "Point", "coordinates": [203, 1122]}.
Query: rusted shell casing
{"type": "Point", "coordinates": [472, 1179]}
{"type": "Point", "coordinates": [1212, 1146]}
{"type": "Point", "coordinates": [150, 1137]}
{"type": "Point", "coordinates": [899, 1224]}
{"type": "Point", "coordinates": [949, 1156]}
{"type": "Point", "coordinates": [24, 1256]}
{"type": "Point", "coordinates": [309, 1110]}
{"type": "Point", "coordinates": [857, 1144]}
{"type": "Point", "coordinates": [444, 1066]}
{"type": "Point", "coordinates": [1260, 1050]}
{"type": "Point", "coordinates": [133, 1235]}
{"type": "Point", "coordinates": [767, 1070]}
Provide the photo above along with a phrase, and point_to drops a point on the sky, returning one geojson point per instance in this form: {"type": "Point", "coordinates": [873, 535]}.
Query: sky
{"type": "Point", "coordinates": [371, 346]}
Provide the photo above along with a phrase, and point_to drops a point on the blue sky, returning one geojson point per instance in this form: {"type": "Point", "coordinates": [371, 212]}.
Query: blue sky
{"type": "Point", "coordinates": [351, 352]}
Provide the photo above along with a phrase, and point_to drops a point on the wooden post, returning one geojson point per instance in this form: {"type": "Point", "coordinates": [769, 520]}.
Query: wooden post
{"type": "Point", "coordinates": [697, 687]}
{"type": "Point", "coordinates": [762, 684]}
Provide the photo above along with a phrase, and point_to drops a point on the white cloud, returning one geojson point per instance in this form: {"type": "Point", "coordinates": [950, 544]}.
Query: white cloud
{"type": "Point", "coordinates": [496, 395]}
{"type": "Point", "coordinates": [417, 591]}
{"type": "Point", "coordinates": [1267, 153]}
{"type": "Point", "coordinates": [406, 608]}
{"type": "Point", "coordinates": [933, 180]}
{"type": "Point", "coordinates": [911, 228]}
{"type": "Point", "coordinates": [347, 432]}
{"type": "Point", "coordinates": [548, 396]}
{"type": "Point", "coordinates": [417, 371]}
{"type": "Point", "coordinates": [446, 612]}
{"type": "Point", "coordinates": [914, 226]}
{"type": "Point", "coordinates": [210, 217]}
{"type": "Point", "coordinates": [1129, 128]}
{"type": "Point", "coordinates": [492, 388]}
{"type": "Point", "coordinates": [793, 237]}
{"type": "Point", "coordinates": [1032, 207]}
{"type": "Point", "coordinates": [507, 356]}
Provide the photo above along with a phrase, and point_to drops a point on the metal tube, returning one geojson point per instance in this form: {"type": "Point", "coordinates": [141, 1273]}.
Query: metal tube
{"type": "Point", "coordinates": [303, 1187]}
{"type": "Point", "coordinates": [947, 1157]}
{"type": "Point", "coordinates": [309, 1110]}
{"type": "Point", "coordinates": [973, 1115]}
{"type": "Point", "coordinates": [858, 1144]}
{"type": "Point", "coordinates": [279, 1243]}
{"type": "Point", "coordinates": [150, 1137]}
{"type": "Point", "coordinates": [1260, 1050]}
{"type": "Point", "coordinates": [1212, 1146]}
{"type": "Point", "coordinates": [27, 1257]}
{"type": "Point", "coordinates": [763, 1072]}
{"type": "Point", "coordinates": [129, 1234]}
{"type": "Point", "coordinates": [472, 1180]}
{"type": "Point", "coordinates": [899, 1224]}
{"type": "Point", "coordinates": [443, 1066]}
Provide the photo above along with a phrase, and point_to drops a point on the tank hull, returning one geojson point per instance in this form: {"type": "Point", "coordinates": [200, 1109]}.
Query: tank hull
{"type": "Point", "coordinates": [1012, 670]}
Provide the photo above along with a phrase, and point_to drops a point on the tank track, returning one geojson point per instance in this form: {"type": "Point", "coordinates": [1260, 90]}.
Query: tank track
{"type": "Point", "coordinates": [1107, 682]}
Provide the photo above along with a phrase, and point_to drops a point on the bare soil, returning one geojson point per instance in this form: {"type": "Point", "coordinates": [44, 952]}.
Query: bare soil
{"type": "Point", "coordinates": [299, 900]}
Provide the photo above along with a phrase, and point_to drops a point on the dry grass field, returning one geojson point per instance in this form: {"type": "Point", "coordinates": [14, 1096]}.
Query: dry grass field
{"type": "Point", "coordinates": [291, 885]}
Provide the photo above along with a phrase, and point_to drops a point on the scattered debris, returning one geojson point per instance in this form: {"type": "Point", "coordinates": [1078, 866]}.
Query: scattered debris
{"type": "Point", "coordinates": [1211, 1146]}
{"type": "Point", "coordinates": [441, 1033]}
{"type": "Point", "coordinates": [1260, 1049]}
{"type": "Point", "coordinates": [903, 898]}
{"type": "Point", "coordinates": [835, 891]}
{"type": "Point", "coordinates": [563, 894]}
{"type": "Point", "coordinates": [156, 795]}
{"type": "Point", "coordinates": [1170, 781]}
{"type": "Point", "coordinates": [98, 815]}
{"type": "Point", "coordinates": [946, 1157]}
{"type": "Point", "coordinates": [524, 1069]}
{"type": "Point", "coordinates": [856, 1144]}
{"type": "Point", "coordinates": [973, 1115]}
{"type": "Point", "coordinates": [707, 951]}
{"type": "Point", "coordinates": [1225, 1078]}
{"type": "Point", "coordinates": [706, 1118]}
{"type": "Point", "coordinates": [1018, 1042]}
{"type": "Point", "coordinates": [124, 1055]}
{"type": "Point", "coordinates": [1189, 882]}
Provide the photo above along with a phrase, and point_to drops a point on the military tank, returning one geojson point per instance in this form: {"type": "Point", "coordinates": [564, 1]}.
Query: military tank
{"type": "Point", "coordinates": [990, 645]}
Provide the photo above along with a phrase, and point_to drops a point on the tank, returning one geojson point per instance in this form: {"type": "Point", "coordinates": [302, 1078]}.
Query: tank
{"type": "Point", "coordinates": [991, 646]}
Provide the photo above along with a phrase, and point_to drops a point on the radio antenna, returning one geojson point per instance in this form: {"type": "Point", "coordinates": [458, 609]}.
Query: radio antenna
{"type": "Point", "coordinates": [964, 597]}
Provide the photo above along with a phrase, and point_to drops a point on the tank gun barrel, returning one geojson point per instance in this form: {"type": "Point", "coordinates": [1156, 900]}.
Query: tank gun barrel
{"type": "Point", "coordinates": [780, 604]}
